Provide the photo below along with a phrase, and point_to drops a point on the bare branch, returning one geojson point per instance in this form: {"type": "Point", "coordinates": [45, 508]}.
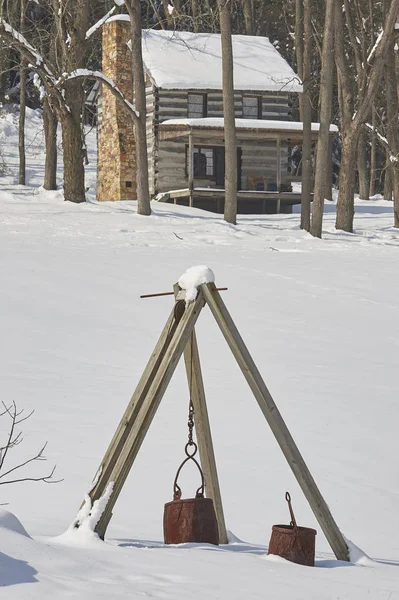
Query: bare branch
{"type": "Point", "coordinates": [98, 76]}
{"type": "Point", "coordinates": [46, 479]}
{"type": "Point", "coordinates": [13, 439]}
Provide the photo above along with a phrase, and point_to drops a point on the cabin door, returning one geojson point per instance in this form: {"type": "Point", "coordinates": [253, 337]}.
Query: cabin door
{"type": "Point", "coordinates": [220, 169]}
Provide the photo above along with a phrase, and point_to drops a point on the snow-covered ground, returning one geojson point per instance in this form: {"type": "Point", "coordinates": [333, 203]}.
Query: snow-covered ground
{"type": "Point", "coordinates": [320, 318]}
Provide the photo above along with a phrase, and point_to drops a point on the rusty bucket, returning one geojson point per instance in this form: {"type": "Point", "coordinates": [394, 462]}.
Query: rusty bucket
{"type": "Point", "coordinates": [293, 543]}
{"type": "Point", "coordinates": [192, 519]}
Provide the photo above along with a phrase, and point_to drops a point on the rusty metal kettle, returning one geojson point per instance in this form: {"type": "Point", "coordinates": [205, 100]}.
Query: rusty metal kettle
{"type": "Point", "coordinates": [191, 519]}
{"type": "Point", "coordinates": [292, 542]}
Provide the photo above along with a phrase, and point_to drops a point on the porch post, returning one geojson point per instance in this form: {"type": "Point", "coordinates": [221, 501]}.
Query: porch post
{"type": "Point", "coordinates": [278, 150]}
{"type": "Point", "coordinates": [190, 167]}
{"type": "Point", "coordinates": [278, 143]}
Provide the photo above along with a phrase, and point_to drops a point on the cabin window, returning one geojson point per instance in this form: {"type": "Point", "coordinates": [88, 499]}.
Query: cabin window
{"type": "Point", "coordinates": [197, 106]}
{"type": "Point", "coordinates": [204, 161]}
{"type": "Point", "coordinates": [252, 107]}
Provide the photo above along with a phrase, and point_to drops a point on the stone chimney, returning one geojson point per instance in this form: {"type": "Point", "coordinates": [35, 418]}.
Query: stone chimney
{"type": "Point", "coordinates": [116, 174]}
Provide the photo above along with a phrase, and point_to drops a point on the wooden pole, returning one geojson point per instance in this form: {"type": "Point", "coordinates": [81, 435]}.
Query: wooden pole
{"type": "Point", "coordinates": [119, 439]}
{"type": "Point", "coordinates": [276, 422]}
{"type": "Point", "coordinates": [156, 386]}
{"type": "Point", "coordinates": [203, 431]}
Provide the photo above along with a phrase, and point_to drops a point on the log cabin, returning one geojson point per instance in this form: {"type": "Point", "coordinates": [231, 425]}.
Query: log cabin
{"type": "Point", "coordinates": [185, 133]}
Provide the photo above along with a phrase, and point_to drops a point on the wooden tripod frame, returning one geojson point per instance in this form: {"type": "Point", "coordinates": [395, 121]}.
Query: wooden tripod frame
{"type": "Point", "coordinates": [177, 338]}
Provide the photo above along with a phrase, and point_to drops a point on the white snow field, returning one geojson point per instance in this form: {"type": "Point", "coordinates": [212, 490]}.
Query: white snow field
{"type": "Point", "coordinates": [320, 318]}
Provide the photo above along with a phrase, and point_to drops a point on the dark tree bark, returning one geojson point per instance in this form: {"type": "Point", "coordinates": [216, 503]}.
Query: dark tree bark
{"type": "Point", "coordinates": [362, 169]}
{"type": "Point", "coordinates": [388, 183]}
{"type": "Point", "coordinates": [140, 133]}
{"type": "Point", "coordinates": [4, 59]}
{"type": "Point", "coordinates": [373, 147]}
{"type": "Point", "coordinates": [74, 174]}
{"type": "Point", "coordinates": [230, 205]}
{"type": "Point", "coordinates": [346, 207]}
{"type": "Point", "coordinates": [195, 7]}
{"type": "Point", "coordinates": [50, 135]}
{"type": "Point", "coordinates": [323, 155]}
{"type": "Point", "coordinates": [22, 105]}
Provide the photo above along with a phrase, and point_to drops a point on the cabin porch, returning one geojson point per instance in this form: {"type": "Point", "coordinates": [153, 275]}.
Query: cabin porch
{"type": "Point", "coordinates": [258, 191]}
{"type": "Point", "coordinates": [248, 201]}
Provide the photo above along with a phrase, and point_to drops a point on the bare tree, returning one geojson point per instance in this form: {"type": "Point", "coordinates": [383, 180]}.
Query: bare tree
{"type": "Point", "coordinates": [357, 92]}
{"type": "Point", "coordinates": [13, 439]}
{"type": "Point", "coordinates": [393, 125]}
{"type": "Point", "coordinates": [323, 155]}
{"type": "Point", "coordinates": [230, 203]}
{"type": "Point", "coordinates": [59, 91]}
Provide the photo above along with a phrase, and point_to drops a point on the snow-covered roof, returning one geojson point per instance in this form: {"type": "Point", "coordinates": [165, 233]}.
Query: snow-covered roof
{"type": "Point", "coordinates": [185, 60]}
{"type": "Point", "coordinates": [246, 124]}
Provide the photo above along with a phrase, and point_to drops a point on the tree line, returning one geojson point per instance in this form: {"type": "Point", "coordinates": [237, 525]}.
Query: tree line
{"type": "Point", "coordinates": [343, 50]}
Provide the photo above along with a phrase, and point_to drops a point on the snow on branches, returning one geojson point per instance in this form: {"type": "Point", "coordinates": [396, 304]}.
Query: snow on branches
{"type": "Point", "coordinates": [53, 85]}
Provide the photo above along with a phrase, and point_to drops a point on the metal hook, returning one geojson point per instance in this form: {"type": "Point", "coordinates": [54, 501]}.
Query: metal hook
{"type": "Point", "coordinates": [190, 456]}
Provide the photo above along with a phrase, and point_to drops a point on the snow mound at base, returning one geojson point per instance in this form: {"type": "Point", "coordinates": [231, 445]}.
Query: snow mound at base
{"type": "Point", "coordinates": [358, 556]}
{"type": "Point", "coordinates": [6, 197]}
{"type": "Point", "coordinates": [10, 522]}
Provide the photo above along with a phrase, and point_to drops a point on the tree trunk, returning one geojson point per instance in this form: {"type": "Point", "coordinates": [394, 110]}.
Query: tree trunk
{"type": "Point", "coordinates": [140, 129]}
{"type": "Point", "coordinates": [373, 155]}
{"type": "Point", "coordinates": [4, 61]}
{"type": "Point", "coordinates": [299, 45]}
{"type": "Point", "coordinates": [388, 184]}
{"type": "Point", "coordinates": [74, 174]}
{"type": "Point", "coordinates": [230, 205]}
{"type": "Point", "coordinates": [22, 105]}
{"type": "Point", "coordinates": [393, 125]}
{"type": "Point", "coordinates": [306, 116]}
{"type": "Point", "coordinates": [74, 186]}
{"type": "Point", "coordinates": [168, 15]}
{"type": "Point", "coordinates": [363, 89]}
{"type": "Point", "coordinates": [364, 182]}
{"type": "Point", "coordinates": [345, 204]}
{"type": "Point", "coordinates": [196, 12]}
{"type": "Point", "coordinates": [323, 155]}
{"type": "Point", "coordinates": [21, 124]}
{"type": "Point", "coordinates": [50, 135]}
{"type": "Point", "coordinates": [248, 8]}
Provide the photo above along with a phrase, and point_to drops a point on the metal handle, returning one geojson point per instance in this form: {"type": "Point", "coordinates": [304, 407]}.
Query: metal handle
{"type": "Point", "coordinates": [190, 456]}
{"type": "Point", "coordinates": [293, 521]}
